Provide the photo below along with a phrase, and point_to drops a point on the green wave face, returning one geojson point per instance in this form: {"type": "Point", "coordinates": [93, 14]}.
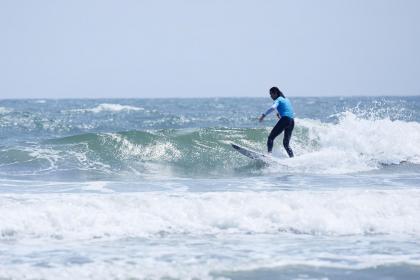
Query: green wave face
{"type": "Point", "coordinates": [192, 152]}
{"type": "Point", "coordinates": [350, 145]}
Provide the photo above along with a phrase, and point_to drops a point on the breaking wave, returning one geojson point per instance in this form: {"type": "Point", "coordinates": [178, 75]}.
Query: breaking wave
{"type": "Point", "coordinates": [350, 145]}
{"type": "Point", "coordinates": [75, 217]}
{"type": "Point", "coordinates": [109, 107]}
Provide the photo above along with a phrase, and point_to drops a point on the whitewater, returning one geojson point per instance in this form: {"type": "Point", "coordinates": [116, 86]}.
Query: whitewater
{"type": "Point", "coordinates": [151, 189]}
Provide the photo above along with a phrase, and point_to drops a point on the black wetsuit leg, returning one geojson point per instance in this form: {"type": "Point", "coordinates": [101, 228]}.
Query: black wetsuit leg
{"type": "Point", "coordinates": [287, 124]}
{"type": "Point", "coordinates": [287, 136]}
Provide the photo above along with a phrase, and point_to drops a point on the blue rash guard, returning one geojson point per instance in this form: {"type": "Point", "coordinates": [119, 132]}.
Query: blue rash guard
{"type": "Point", "coordinates": [283, 107]}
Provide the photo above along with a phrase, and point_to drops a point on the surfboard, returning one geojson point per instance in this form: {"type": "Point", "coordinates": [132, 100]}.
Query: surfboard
{"type": "Point", "coordinates": [250, 153]}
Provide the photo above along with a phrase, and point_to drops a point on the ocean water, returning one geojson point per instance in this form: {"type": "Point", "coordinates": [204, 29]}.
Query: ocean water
{"type": "Point", "coordinates": [151, 189]}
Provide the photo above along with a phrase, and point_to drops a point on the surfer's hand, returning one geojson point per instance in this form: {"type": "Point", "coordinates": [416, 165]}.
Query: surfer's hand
{"type": "Point", "coordinates": [278, 116]}
{"type": "Point", "coordinates": [260, 119]}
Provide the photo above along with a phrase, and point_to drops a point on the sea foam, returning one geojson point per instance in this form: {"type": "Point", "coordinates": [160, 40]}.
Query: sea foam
{"type": "Point", "coordinates": [109, 107]}
{"type": "Point", "coordinates": [352, 145]}
{"type": "Point", "coordinates": [115, 216]}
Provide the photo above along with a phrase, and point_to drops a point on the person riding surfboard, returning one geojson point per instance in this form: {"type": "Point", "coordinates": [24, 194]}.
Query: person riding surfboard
{"type": "Point", "coordinates": [286, 114]}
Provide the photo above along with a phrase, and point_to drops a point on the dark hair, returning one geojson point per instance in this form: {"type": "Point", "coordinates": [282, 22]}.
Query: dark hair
{"type": "Point", "coordinates": [275, 90]}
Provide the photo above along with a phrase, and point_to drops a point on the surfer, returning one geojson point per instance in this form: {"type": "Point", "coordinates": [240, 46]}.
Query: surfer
{"type": "Point", "coordinates": [286, 122]}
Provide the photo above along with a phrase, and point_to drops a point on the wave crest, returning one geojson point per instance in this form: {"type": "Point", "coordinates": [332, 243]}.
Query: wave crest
{"type": "Point", "coordinates": [72, 217]}
{"type": "Point", "coordinates": [350, 145]}
{"type": "Point", "coordinates": [109, 107]}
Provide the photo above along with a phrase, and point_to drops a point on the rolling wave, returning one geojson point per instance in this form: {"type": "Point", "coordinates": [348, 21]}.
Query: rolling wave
{"type": "Point", "coordinates": [350, 145]}
{"type": "Point", "coordinates": [75, 217]}
{"type": "Point", "coordinates": [108, 107]}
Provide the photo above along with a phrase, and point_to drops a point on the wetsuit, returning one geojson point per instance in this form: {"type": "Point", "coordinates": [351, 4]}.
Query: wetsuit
{"type": "Point", "coordinates": [286, 123]}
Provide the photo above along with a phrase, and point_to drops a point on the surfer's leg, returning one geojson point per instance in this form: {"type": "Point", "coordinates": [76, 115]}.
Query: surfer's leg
{"type": "Point", "coordinates": [277, 129]}
{"type": "Point", "coordinates": [287, 136]}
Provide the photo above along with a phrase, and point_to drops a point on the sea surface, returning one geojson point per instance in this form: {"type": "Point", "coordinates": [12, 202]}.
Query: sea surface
{"type": "Point", "coordinates": [151, 189]}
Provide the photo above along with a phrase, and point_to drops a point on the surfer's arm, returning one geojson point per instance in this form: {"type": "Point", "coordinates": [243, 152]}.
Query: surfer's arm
{"type": "Point", "coordinates": [269, 110]}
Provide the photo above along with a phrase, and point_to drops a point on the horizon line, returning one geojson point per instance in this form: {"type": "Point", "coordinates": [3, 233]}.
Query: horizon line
{"type": "Point", "coordinates": [204, 97]}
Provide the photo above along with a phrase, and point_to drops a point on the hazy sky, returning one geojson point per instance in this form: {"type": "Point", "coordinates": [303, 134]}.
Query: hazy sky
{"type": "Point", "coordinates": [57, 49]}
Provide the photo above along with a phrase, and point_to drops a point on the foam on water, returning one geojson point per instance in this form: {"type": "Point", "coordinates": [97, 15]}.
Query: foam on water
{"type": "Point", "coordinates": [109, 107]}
{"type": "Point", "coordinates": [353, 145]}
{"type": "Point", "coordinates": [213, 270]}
{"type": "Point", "coordinates": [74, 217]}
{"type": "Point", "coordinates": [4, 110]}
{"type": "Point", "coordinates": [157, 150]}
